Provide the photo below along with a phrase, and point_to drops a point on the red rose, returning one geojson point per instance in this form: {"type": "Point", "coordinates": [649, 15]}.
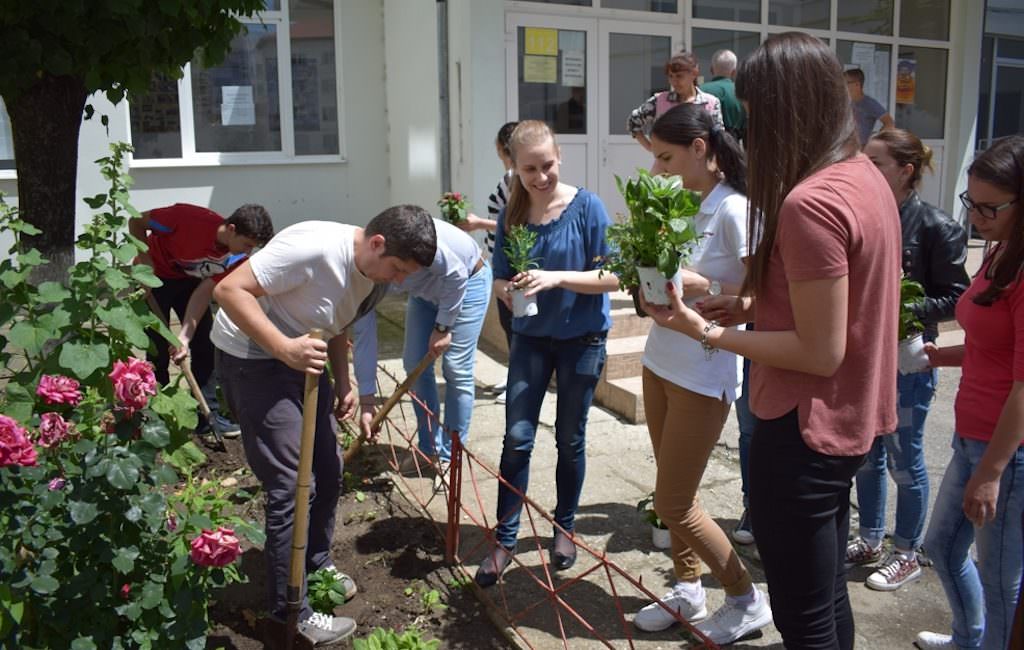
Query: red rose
{"type": "Point", "coordinates": [58, 389]}
{"type": "Point", "coordinates": [134, 383]}
{"type": "Point", "coordinates": [15, 447]}
{"type": "Point", "coordinates": [215, 548]}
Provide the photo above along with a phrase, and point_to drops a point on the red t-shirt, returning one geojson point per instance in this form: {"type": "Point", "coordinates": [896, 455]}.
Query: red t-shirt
{"type": "Point", "coordinates": [183, 243]}
{"type": "Point", "coordinates": [993, 356]}
{"type": "Point", "coordinates": [840, 221]}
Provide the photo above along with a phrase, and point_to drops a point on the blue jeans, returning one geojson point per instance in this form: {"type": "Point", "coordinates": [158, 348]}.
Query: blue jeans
{"type": "Point", "coordinates": [457, 364]}
{"type": "Point", "coordinates": [983, 596]}
{"type": "Point", "coordinates": [903, 452]}
{"type": "Point", "coordinates": [577, 363]}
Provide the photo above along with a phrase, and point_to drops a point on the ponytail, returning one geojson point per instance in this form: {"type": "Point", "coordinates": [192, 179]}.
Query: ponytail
{"type": "Point", "coordinates": [729, 157]}
{"type": "Point", "coordinates": [518, 207]}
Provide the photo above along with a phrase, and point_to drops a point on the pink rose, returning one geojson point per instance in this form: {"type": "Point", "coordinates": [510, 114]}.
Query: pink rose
{"type": "Point", "coordinates": [126, 591]}
{"type": "Point", "coordinates": [15, 447]}
{"type": "Point", "coordinates": [58, 389]}
{"type": "Point", "coordinates": [56, 483]}
{"type": "Point", "coordinates": [134, 383]}
{"type": "Point", "coordinates": [215, 548]}
{"type": "Point", "coordinates": [52, 430]}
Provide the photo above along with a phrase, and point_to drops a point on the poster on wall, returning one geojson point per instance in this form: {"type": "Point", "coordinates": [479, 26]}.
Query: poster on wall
{"type": "Point", "coordinates": [540, 41]}
{"type": "Point", "coordinates": [906, 80]}
{"type": "Point", "coordinates": [237, 106]}
{"type": "Point", "coordinates": [540, 69]}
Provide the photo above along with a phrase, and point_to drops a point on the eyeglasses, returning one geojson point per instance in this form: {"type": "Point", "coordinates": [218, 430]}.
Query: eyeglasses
{"type": "Point", "coordinates": [986, 211]}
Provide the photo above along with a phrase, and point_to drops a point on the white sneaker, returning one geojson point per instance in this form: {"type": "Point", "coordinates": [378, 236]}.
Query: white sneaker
{"type": "Point", "coordinates": [441, 474]}
{"type": "Point", "coordinates": [929, 640]}
{"type": "Point", "coordinates": [654, 618]}
{"type": "Point", "coordinates": [498, 388]}
{"type": "Point", "coordinates": [500, 399]}
{"type": "Point", "coordinates": [733, 621]}
{"type": "Point", "coordinates": [897, 570]}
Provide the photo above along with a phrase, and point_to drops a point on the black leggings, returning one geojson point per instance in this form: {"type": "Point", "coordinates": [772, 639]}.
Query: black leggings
{"type": "Point", "coordinates": [800, 511]}
{"type": "Point", "coordinates": [174, 295]}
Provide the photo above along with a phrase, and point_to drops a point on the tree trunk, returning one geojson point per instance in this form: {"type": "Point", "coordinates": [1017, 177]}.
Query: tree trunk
{"type": "Point", "coordinates": [45, 122]}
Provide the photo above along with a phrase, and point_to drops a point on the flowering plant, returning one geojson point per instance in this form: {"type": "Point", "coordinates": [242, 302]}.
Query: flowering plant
{"type": "Point", "coordinates": [453, 207]}
{"type": "Point", "coordinates": [87, 492]}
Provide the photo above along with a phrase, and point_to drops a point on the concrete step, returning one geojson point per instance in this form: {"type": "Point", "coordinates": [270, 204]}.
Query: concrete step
{"type": "Point", "coordinates": [624, 355]}
{"type": "Point", "coordinates": [623, 396]}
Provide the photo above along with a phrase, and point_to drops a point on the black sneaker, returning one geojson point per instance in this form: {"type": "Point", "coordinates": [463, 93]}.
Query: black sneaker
{"type": "Point", "coordinates": [743, 533]}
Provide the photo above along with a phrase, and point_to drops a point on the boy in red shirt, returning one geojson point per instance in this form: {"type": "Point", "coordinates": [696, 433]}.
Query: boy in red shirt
{"type": "Point", "coordinates": [191, 248]}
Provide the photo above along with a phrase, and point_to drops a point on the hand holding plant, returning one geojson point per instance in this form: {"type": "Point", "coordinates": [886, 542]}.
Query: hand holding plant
{"type": "Point", "coordinates": [453, 207]}
{"type": "Point", "coordinates": [911, 297]}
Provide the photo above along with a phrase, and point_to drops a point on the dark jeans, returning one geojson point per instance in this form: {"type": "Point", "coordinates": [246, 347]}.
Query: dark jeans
{"type": "Point", "coordinates": [174, 295]}
{"type": "Point", "coordinates": [266, 397]}
{"type": "Point", "coordinates": [505, 319]}
{"type": "Point", "coordinates": [577, 364]}
{"type": "Point", "coordinates": [800, 511]}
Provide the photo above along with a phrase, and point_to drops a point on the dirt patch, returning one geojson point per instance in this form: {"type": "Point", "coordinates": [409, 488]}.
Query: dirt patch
{"type": "Point", "coordinates": [395, 555]}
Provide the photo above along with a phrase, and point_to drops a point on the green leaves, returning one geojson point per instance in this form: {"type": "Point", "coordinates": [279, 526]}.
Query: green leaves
{"type": "Point", "coordinates": [659, 230]}
{"type": "Point", "coordinates": [519, 243]}
{"type": "Point", "coordinates": [912, 297]}
{"type": "Point", "coordinates": [82, 359]}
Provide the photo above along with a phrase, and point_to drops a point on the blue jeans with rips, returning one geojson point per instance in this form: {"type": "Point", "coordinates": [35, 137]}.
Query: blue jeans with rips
{"type": "Point", "coordinates": [903, 453]}
{"type": "Point", "coordinates": [982, 595]}
{"type": "Point", "coordinates": [457, 364]}
{"type": "Point", "coordinates": [577, 364]}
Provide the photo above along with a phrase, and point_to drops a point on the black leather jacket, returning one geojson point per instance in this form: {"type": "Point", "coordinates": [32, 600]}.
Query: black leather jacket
{"type": "Point", "coordinates": [934, 252]}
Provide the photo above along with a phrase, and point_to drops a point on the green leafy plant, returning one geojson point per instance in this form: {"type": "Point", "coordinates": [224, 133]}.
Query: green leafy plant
{"type": "Point", "coordinates": [325, 591]}
{"type": "Point", "coordinates": [911, 297]}
{"type": "Point", "coordinates": [453, 207]}
{"type": "Point", "coordinates": [95, 522]}
{"type": "Point", "coordinates": [430, 599]}
{"type": "Point", "coordinates": [407, 639]}
{"type": "Point", "coordinates": [519, 243]}
{"type": "Point", "coordinates": [645, 507]}
{"type": "Point", "coordinates": [659, 231]}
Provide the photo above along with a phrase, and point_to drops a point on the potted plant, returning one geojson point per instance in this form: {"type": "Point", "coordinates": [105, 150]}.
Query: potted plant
{"type": "Point", "coordinates": [912, 357]}
{"type": "Point", "coordinates": [656, 239]}
{"type": "Point", "coordinates": [453, 207]}
{"type": "Point", "coordinates": [519, 243]}
{"type": "Point", "coordinates": [660, 536]}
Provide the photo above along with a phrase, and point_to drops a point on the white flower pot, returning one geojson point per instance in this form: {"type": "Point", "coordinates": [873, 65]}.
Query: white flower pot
{"type": "Point", "coordinates": [653, 284]}
{"type": "Point", "coordinates": [660, 537]}
{"type": "Point", "coordinates": [912, 357]}
{"type": "Point", "coordinates": [523, 305]}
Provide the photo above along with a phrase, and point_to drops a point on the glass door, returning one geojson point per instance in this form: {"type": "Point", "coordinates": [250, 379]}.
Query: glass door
{"type": "Point", "coordinates": [552, 62]}
{"type": "Point", "coordinates": [633, 57]}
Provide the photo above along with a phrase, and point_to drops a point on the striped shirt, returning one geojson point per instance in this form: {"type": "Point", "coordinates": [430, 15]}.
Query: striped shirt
{"type": "Point", "coordinates": [496, 202]}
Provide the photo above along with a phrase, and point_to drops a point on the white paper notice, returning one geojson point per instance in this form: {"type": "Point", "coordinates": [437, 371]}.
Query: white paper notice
{"type": "Point", "coordinates": [237, 107]}
{"type": "Point", "coordinates": [880, 85]}
{"type": "Point", "coordinates": [573, 68]}
{"type": "Point", "coordinates": [6, 142]}
{"type": "Point", "coordinates": [863, 56]}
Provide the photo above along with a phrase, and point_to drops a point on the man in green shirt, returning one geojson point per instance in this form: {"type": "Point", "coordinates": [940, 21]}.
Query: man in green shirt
{"type": "Point", "coordinates": [723, 71]}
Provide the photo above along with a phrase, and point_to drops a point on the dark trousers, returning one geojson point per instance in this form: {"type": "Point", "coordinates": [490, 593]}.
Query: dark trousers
{"type": "Point", "coordinates": [800, 511]}
{"type": "Point", "coordinates": [505, 318]}
{"type": "Point", "coordinates": [266, 397]}
{"type": "Point", "coordinates": [174, 295]}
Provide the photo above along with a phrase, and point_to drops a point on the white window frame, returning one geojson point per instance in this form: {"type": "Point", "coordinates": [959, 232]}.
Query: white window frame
{"type": "Point", "coordinates": [192, 158]}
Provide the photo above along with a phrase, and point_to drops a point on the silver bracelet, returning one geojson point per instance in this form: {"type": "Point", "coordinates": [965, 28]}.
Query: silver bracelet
{"type": "Point", "coordinates": [704, 343]}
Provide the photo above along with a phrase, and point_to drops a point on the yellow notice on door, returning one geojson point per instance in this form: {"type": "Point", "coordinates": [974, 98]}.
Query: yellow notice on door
{"type": "Point", "coordinates": [540, 69]}
{"type": "Point", "coordinates": [540, 40]}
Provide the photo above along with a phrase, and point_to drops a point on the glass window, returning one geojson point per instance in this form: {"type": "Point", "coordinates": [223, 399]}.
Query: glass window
{"type": "Point", "coordinates": [745, 11]}
{"type": "Point", "coordinates": [636, 70]}
{"type": "Point", "coordinates": [1011, 48]}
{"type": "Point", "coordinates": [314, 91]}
{"type": "Point", "coordinates": [865, 16]}
{"type": "Point", "coordinates": [925, 19]}
{"type": "Point", "coordinates": [809, 14]}
{"type": "Point", "coordinates": [1008, 112]}
{"type": "Point", "coordinates": [921, 94]}
{"type": "Point", "coordinates": [6, 141]}
{"type": "Point", "coordinates": [984, 91]}
{"type": "Point", "coordinates": [657, 6]}
{"type": "Point", "coordinates": [708, 41]}
{"type": "Point", "coordinates": [581, 3]}
{"type": "Point", "coordinates": [874, 60]}
{"type": "Point", "coordinates": [156, 120]}
{"type": "Point", "coordinates": [553, 77]}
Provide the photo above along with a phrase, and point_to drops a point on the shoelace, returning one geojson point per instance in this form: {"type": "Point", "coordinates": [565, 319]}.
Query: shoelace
{"type": "Point", "coordinates": [320, 620]}
{"type": "Point", "coordinates": [892, 566]}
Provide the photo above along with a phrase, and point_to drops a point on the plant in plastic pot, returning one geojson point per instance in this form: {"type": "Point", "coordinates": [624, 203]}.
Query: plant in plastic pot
{"type": "Point", "coordinates": [912, 357]}
{"type": "Point", "coordinates": [519, 243]}
{"type": "Point", "coordinates": [660, 536]}
{"type": "Point", "coordinates": [657, 238]}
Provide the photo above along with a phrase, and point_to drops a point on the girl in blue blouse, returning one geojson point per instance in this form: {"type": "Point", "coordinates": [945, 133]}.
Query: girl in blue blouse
{"type": "Point", "coordinates": [566, 337]}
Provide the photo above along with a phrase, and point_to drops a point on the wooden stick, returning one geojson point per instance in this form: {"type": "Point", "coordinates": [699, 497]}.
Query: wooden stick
{"type": "Point", "coordinates": [197, 392]}
{"type": "Point", "coordinates": [300, 524]}
{"type": "Point", "coordinates": [382, 412]}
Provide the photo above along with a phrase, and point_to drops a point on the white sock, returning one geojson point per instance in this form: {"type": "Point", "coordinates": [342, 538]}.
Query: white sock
{"type": "Point", "coordinates": [906, 555]}
{"type": "Point", "coordinates": [693, 591]}
{"type": "Point", "coordinates": [744, 601]}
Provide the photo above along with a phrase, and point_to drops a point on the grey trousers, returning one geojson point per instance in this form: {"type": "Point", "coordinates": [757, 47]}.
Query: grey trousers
{"type": "Point", "coordinates": [266, 398]}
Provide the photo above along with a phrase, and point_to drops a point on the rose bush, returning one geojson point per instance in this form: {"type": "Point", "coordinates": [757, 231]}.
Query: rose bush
{"type": "Point", "coordinates": [88, 491]}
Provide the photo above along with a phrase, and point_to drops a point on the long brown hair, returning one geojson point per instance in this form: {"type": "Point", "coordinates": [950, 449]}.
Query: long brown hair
{"type": "Point", "coordinates": [906, 149]}
{"type": "Point", "coordinates": [527, 133]}
{"type": "Point", "coordinates": [1002, 165]}
{"type": "Point", "coordinates": [799, 121]}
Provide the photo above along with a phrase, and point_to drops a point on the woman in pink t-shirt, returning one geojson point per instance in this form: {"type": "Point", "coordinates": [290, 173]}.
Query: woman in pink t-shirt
{"type": "Point", "coordinates": [825, 279]}
{"type": "Point", "coordinates": [984, 482]}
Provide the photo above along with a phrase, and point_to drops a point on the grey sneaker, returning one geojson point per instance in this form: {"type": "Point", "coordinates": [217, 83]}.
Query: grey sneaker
{"type": "Point", "coordinates": [346, 582]}
{"type": "Point", "coordinates": [743, 533]}
{"type": "Point", "coordinates": [324, 629]}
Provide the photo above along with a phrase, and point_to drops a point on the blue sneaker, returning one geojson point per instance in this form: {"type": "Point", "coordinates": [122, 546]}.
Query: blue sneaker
{"type": "Point", "coordinates": [225, 427]}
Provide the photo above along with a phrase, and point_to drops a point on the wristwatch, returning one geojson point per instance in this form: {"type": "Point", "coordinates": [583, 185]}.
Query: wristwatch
{"type": "Point", "coordinates": [442, 329]}
{"type": "Point", "coordinates": [714, 289]}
